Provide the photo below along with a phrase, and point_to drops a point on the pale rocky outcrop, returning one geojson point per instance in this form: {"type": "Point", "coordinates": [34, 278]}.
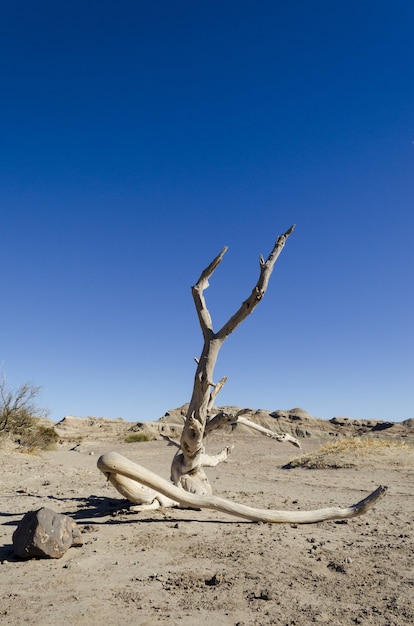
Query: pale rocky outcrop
{"type": "Point", "coordinates": [296, 422]}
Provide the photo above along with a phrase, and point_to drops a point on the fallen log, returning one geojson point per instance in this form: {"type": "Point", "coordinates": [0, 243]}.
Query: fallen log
{"type": "Point", "coordinates": [114, 465]}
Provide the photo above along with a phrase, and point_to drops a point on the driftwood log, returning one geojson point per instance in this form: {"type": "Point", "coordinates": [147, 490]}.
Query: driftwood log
{"type": "Point", "coordinates": [190, 486]}
{"type": "Point", "coordinates": [122, 471]}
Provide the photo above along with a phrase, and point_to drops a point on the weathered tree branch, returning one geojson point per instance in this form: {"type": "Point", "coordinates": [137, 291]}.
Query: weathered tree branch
{"type": "Point", "coordinates": [259, 290]}
{"type": "Point", "coordinates": [114, 465]}
{"type": "Point", "coordinates": [225, 419]}
{"type": "Point", "coordinates": [198, 295]}
{"type": "Point", "coordinates": [188, 459]}
{"type": "Point", "coordinates": [214, 393]}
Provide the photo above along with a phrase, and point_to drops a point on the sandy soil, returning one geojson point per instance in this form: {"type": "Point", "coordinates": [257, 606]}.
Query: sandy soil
{"type": "Point", "coordinates": [198, 567]}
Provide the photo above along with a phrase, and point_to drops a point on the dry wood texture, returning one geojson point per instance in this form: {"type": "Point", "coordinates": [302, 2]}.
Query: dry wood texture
{"type": "Point", "coordinates": [191, 486]}
{"type": "Point", "coordinates": [117, 467]}
{"type": "Point", "coordinates": [187, 468]}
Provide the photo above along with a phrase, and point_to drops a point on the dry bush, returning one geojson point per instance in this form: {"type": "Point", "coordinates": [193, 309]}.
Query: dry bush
{"type": "Point", "coordinates": [20, 418]}
{"type": "Point", "coordinates": [137, 437]}
{"type": "Point", "coordinates": [39, 438]}
{"type": "Point", "coordinates": [344, 453]}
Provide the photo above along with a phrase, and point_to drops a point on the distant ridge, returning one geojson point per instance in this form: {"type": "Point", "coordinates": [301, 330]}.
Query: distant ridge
{"type": "Point", "coordinates": [296, 422]}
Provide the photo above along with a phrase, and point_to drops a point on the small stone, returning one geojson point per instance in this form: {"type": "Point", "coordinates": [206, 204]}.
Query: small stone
{"type": "Point", "coordinates": [216, 579]}
{"type": "Point", "coordinates": [266, 594]}
{"type": "Point", "coordinates": [335, 567]}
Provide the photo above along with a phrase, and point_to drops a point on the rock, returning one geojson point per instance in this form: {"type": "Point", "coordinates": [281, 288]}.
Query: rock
{"type": "Point", "coordinates": [45, 534]}
{"type": "Point", "coordinates": [77, 429]}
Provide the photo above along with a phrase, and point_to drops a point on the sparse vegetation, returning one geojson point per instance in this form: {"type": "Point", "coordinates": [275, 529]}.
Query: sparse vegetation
{"type": "Point", "coordinates": [138, 437]}
{"type": "Point", "coordinates": [343, 453]}
{"type": "Point", "coordinates": [40, 438]}
{"type": "Point", "coordinates": [20, 418]}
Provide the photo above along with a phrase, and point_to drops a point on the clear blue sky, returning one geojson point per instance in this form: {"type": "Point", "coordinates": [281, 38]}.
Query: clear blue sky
{"type": "Point", "coordinates": [139, 138]}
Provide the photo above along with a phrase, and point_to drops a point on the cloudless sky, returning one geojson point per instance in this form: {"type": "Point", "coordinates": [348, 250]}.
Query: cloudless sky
{"type": "Point", "coordinates": [139, 138]}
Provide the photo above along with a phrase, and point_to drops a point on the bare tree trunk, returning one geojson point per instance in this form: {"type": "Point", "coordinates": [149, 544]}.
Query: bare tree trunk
{"type": "Point", "coordinates": [187, 467]}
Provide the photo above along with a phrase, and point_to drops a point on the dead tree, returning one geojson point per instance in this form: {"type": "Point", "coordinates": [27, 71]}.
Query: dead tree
{"type": "Point", "coordinates": [191, 487]}
{"type": "Point", "coordinates": [187, 467]}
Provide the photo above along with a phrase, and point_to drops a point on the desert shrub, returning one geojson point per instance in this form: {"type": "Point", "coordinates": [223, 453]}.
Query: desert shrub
{"type": "Point", "coordinates": [39, 438]}
{"type": "Point", "coordinates": [137, 437]}
{"type": "Point", "coordinates": [341, 453]}
{"type": "Point", "coordinates": [20, 417]}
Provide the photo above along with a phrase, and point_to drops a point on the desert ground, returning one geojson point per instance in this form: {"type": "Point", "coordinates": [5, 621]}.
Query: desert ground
{"type": "Point", "coordinates": [186, 567]}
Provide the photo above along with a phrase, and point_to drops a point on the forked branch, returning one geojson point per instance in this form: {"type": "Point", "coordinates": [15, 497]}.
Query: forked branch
{"type": "Point", "coordinates": [198, 295]}
{"type": "Point", "coordinates": [188, 460]}
{"type": "Point", "coordinates": [259, 290]}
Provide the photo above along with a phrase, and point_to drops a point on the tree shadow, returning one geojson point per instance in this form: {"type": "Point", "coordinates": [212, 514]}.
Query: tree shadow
{"type": "Point", "coordinates": [90, 509]}
{"type": "Point", "coordinates": [87, 508]}
{"type": "Point", "coordinates": [96, 506]}
{"type": "Point", "coordinates": [7, 554]}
